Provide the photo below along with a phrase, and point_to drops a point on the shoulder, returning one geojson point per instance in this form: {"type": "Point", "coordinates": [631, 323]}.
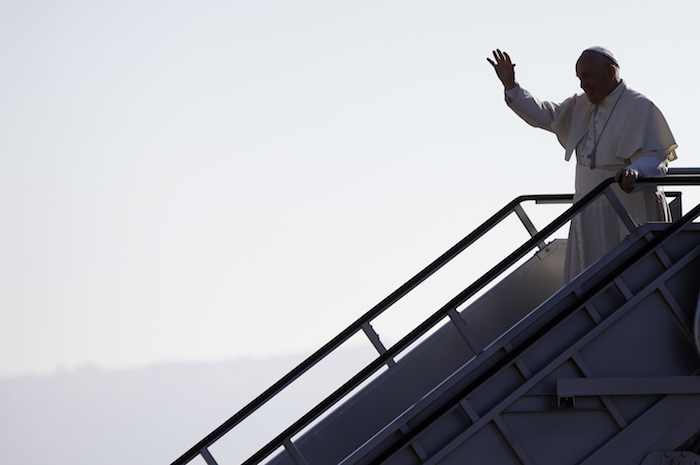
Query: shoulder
{"type": "Point", "coordinates": [635, 97]}
{"type": "Point", "coordinates": [578, 102]}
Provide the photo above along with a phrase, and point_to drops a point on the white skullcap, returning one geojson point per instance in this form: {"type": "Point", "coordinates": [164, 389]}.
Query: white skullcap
{"type": "Point", "coordinates": [604, 51]}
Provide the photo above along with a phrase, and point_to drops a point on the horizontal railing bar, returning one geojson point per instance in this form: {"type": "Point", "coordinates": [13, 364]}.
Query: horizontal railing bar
{"type": "Point", "coordinates": [675, 180]}
{"type": "Point", "coordinates": [683, 171]}
{"type": "Point", "coordinates": [556, 198]}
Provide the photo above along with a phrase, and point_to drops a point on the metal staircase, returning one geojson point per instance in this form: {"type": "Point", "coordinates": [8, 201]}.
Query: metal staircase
{"type": "Point", "coordinates": [601, 371]}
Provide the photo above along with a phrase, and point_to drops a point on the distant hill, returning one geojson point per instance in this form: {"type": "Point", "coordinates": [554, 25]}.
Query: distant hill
{"type": "Point", "coordinates": [152, 415]}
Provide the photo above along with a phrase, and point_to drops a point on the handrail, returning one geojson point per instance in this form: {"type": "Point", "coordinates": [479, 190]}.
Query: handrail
{"type": "Point", "coordinates": [351, 330]}
{"type": "Point", "coordinates": [513, 352]}
{"type": "Point", "coordinates": [683, 171]}
{"type": "Point", "coordinates": [201, 448]}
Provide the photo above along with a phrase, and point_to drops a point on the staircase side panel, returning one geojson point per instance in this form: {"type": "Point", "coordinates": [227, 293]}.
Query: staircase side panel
{"type": "Point", "coordinates": [646, 335]}
{"type": "Point", "coordinates": [431, 362]}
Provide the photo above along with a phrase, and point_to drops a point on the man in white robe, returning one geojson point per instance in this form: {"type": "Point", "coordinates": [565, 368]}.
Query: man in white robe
{"type": "Point", "coordinates": [615, 131]}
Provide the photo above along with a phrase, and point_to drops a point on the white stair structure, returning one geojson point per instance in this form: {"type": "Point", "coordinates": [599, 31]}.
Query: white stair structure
{"type": "Point", "coordinates": [600, 371]}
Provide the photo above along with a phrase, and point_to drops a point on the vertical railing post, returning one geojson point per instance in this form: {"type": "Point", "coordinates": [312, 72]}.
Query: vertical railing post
{"type": "Point", "coordinates": [294, 452]}
{"type": "Point", "coordinates": [620, 209]}
{"type": "Point", "coordinates": [464, 331]}
{"type": "Point", "coordinates": [374, 338]}
{"type": "Point", "coordinates": [206, 455]}
{"type": "Point", "coordinates": [528, 224]}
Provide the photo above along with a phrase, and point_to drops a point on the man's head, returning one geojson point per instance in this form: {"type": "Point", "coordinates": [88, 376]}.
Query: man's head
{"type": "Point", "coordinates": [599, 73]}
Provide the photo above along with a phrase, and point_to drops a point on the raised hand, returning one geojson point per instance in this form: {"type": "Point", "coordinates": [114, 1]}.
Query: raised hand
{"type": "Point", "coordinates": [504, 67]}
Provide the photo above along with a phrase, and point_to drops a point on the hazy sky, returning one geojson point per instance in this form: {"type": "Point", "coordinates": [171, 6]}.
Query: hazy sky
{"type": "Point", "coordinates": [203, 180]}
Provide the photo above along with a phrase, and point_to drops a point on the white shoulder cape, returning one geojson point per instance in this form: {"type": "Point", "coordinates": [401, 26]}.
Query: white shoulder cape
{"type": "Point", "coordinates": [635, 124]}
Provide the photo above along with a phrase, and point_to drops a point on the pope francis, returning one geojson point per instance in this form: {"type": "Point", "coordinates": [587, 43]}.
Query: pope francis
{"type": "Point", "coordinates": [615, 131]}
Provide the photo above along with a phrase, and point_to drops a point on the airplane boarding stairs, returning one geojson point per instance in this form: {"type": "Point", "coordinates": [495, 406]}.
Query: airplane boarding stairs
{"type": "Point", "coordinates": [601, 371]}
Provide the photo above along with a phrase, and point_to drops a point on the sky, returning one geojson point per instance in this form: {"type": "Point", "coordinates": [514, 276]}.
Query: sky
{"type": "Point", "coordinates": [198, 181]}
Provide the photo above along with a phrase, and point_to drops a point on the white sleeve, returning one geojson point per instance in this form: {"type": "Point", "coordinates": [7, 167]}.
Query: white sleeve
{"type": "Point", "coordinates": [654, 164]}
{"type": "Point", "coordinates": [531, 109]}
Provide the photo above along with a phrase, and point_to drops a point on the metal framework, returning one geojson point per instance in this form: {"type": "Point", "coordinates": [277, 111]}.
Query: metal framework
{"type": "Point", "coordinates": [386, 355]}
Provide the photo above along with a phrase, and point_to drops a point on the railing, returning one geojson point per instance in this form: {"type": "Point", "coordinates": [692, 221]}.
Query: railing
{"type": "Point", "coordinates": [580, 300]}
{"type": "Point", "coordinates": [676, 177]}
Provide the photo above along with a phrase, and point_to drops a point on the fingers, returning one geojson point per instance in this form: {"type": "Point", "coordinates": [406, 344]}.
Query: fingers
{"type": "Point", "coordinates": [506, 58]}
{"type": "Point", "coordinates": [500, 57]}
{"type": "Point", "coordinates": [627, 178]}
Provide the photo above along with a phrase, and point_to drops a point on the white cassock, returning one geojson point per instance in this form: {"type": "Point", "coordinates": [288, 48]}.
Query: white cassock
{"type": "Point", "coordinates": [626, 130]}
